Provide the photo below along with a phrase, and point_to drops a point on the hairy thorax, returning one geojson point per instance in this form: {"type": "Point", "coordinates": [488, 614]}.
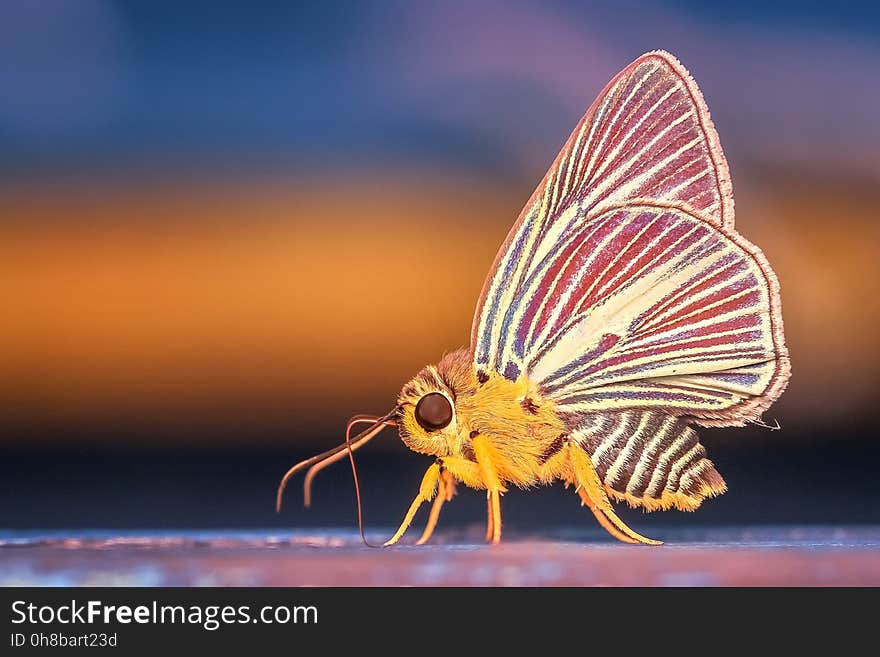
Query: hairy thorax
{"type": "Point", "coordinates": [521, 425]}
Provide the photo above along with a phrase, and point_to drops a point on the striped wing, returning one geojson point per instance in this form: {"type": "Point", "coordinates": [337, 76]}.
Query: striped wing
{"type": "Point", "coordinates": [647, 136]}
{"type": "Point", "coordinates": [623, 283]}
{"type": "Point", "coordinates": [650, 459]}
{"type": "Point", "coordinates": [653, 307]}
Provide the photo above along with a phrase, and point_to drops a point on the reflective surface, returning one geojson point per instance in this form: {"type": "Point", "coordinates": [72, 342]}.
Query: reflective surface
{"type": "Point", "coordinates": [767, 556]}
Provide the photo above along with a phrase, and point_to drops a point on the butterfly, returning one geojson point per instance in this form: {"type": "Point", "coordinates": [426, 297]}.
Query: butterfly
{"type": "Point", "coordinates": [622, 312]}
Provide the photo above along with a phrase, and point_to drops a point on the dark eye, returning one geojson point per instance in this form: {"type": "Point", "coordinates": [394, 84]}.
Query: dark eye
{"type": "Point", "coordinates": [433, 411]}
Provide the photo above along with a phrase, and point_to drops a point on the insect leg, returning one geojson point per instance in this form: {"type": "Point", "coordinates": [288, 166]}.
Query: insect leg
{"type": "Point", "coordinates": [590, 490]}
{"type": "Point", "coordinates": [426, 492]}
{"type": "Point", "coordinates": [490, 519]}
{"type": "Point", "coordinates": [445, 491]}
{"type": "Point", "coordinates": [472, 474]}
{"type": "Point", "coordinates": [483, 450]}
{"type": "Point", "coordinates": [467, 472]}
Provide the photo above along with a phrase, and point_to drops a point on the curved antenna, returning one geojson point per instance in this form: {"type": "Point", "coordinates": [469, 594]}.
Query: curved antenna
{"type": "Point", "coordinates": [332, 455]}
{"type": "Point", "coordinates": [357, 491]}
{"type": "Point", "coordinates": [380, 424]}
{"type": "Point", "coordinates": [330, 460]}
{"type": "Point", "coordinates": [377, 426]}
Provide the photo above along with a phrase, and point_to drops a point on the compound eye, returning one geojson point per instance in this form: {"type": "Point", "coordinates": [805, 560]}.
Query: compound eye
{"type": "Point", "coordinates": [433, 411]}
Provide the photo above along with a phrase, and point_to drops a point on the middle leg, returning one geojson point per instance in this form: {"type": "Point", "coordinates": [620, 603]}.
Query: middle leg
{"type": "Point", "coordinates": [484, 453]}
{"type": "Point", "coordinates": [475, 475]}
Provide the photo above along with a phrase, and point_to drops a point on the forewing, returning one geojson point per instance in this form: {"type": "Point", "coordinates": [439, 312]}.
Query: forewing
{"type": "Point", "coordinates": [647, 136]}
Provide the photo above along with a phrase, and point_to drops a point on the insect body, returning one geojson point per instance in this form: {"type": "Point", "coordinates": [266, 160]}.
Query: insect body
{"type": "Point", "coordinates": [622, 311]}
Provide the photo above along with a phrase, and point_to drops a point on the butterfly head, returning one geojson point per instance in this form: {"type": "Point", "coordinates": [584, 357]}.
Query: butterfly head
{"type": "Point", "coordinates": [428, 415]}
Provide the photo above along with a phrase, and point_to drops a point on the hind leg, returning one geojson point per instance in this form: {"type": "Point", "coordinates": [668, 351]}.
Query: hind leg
{"type": "Point", "coordinates": [593, 495]}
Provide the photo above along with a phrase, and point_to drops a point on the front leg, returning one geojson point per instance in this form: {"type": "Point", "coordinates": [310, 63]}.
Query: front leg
{"type": "Point", "coordinates": [426, 492]}
{"type": "Point", "coordinates": [445, 491]}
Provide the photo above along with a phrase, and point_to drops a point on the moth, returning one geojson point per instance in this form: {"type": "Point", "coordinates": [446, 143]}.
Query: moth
{"type": "Point", "coordinates": [622, 312]}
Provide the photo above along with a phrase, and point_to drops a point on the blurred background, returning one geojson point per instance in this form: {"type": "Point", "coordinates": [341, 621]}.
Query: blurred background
{"type": "Point", "coordinates": [224, 229]}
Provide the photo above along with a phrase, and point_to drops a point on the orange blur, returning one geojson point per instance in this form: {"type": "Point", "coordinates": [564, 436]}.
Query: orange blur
{"type": "Point", "coordinates": [287, 304]}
